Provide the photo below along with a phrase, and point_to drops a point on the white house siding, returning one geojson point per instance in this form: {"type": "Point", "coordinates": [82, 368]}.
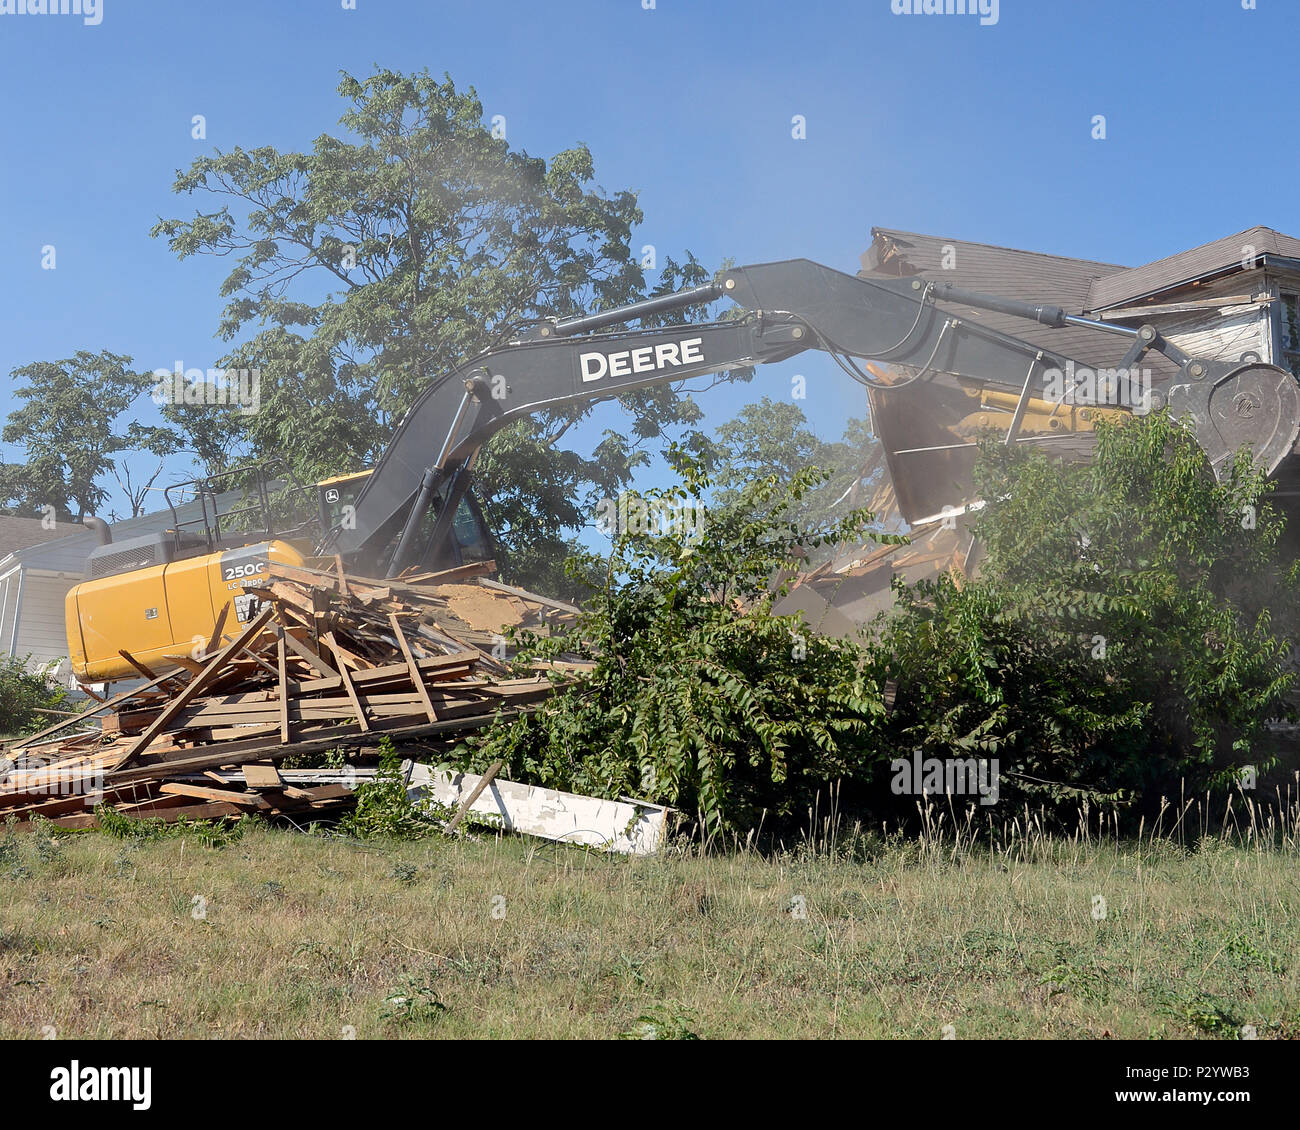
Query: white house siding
{"type": "Point", "coordinates": [40, 627]}
{"type": "Point", "coordinates": [1218, 333]}
{"type": "Point", "coordinates": [1221, 335]}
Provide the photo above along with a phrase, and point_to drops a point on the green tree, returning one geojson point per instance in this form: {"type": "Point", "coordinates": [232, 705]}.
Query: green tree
{"type": "Point", "coordinates": [773, 438]}
{"type": "Point", "coordinates": [367, 266]}
{"type": "Point", "coordinates": [701, 697]}
{"type": "Point", "coordinates": [1124, 634]}
{"type": "Point", "coordinates": [75, 420]}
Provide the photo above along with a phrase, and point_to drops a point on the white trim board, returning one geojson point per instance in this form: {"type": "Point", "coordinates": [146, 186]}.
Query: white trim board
{"type": "Point", "coordinates": [631, 827]}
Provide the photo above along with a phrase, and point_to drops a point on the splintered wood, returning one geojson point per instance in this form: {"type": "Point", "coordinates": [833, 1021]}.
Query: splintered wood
{"type": "Point", "coordinates": [322, 661]}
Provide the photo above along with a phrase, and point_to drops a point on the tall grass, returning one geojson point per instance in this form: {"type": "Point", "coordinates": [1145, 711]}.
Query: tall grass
{"type": "Point", "coordinates": [944, 828]}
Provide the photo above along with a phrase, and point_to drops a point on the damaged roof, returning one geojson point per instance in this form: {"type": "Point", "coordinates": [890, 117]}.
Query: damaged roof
{"type": "Point", "coordinates": [1082, 286]}
{"type": "Point", "coordinates": [1027, 276]}
{"type": "Point", "coordinates": [1222, 255]}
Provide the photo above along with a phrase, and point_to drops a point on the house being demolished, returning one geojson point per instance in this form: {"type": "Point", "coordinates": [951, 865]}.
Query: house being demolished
{"type": "Point", "coordinates": [1235, 299]}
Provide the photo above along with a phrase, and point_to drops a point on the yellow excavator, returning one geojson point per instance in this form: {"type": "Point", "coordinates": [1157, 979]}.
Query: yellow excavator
{"type": "Point", "coordinates": [946, 377]}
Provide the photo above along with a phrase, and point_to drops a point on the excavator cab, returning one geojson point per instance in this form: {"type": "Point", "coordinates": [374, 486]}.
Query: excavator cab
{"type": "Point", "coordinates": [154, 601]}
{"type": "Point", "coordinates": [470, 542]}
{"type": "Point", "coordinates": [336, 497]}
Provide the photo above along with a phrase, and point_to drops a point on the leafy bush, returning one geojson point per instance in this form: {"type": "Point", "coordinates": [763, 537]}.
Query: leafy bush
{"type": "Point", "coordinates": [383, 808]}
{"type": "Point", "coordinates": [1126, 630]}
{"type": "Point", "coordinates": [23, 694]}
{"type": "Point", "coordinates": [701, 697]}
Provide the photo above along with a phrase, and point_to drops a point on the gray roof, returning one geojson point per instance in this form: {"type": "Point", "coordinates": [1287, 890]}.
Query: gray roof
{"type": "Point", "coordinates": [1081, 286]}
{"type": "Point", "coordinates": [18, 533]}
{"type": "Point", "coordinates": [1224, 254]}
{"type": "Point", "coordinates": [1009, 273]}
{"type": "Point", "coordinates": [68, 554]}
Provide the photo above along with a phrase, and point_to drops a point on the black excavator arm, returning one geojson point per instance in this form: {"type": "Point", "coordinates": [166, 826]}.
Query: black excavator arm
{"type": "Point", "coordinates": [409, 501]}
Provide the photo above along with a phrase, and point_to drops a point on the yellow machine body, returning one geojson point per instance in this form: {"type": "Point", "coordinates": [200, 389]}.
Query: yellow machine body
{"type": "Point", "coordinates": [166, 610]}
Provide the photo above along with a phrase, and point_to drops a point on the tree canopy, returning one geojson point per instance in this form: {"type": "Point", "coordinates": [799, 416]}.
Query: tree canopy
{"type": "Point", "coordinates": [382, 257]}
{"type": "Point", "coordinates": [73, 425]}
{"type": "Point", "coordinates": [773, 438]}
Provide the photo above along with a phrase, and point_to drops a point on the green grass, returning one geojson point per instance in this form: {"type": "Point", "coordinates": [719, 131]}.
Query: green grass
{"type": "Point", "coordinates": [303, 936]}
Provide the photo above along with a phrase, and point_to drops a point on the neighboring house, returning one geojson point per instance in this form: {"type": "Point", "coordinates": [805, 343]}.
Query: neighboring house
{"type": "Point", "coordinates": [19, 536]}
{"type": "Point", "coordinates": [1226, 300]}
{"type": "Point", "coordinates": [35, 576]}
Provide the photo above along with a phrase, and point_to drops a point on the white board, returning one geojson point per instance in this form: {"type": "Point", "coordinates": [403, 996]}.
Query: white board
{"type": "Point", "coordinates": [628, 826]}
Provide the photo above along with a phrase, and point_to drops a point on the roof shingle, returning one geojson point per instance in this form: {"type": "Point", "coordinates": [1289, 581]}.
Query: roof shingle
{"type": "Point", "coordinates": [1027, 276]}
{"type": "Point", "coordinates": [1187, 266]}
{"type": "Point", "coordinates": [19, 533]}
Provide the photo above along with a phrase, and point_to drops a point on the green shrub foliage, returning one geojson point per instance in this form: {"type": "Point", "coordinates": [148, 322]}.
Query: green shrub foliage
{"type": "Point", "coordinates": [1128, 631]}
{"type": "Point", "coordinates": [702, 697]}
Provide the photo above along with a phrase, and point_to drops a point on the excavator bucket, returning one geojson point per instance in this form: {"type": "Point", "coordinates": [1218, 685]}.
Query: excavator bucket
{"type": "Point", "coordinates": [929, 463]}
{"type": "Point", "coordinates": [929, 433]}
{"type": "Point", "coordinates": [929, 429]}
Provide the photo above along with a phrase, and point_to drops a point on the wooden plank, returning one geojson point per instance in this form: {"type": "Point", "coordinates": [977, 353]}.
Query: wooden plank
{"type": "Point", "coordinates": [346, 676]}
{"type": "Point", "coordinates": [63, 805]}
{"type": "Point", "coordinates": [196, 684]}
{"type": "Point", "coordinates": [217, 629]}
{"type": "Point", "coordinates": [259, 776]}
{"type": "Point", "coordinates": [33, 739]}
{"type": "Point", "coordinates": [439, 667]}
{"type": "Point", "coordinates": [417, 677]}
{"type": "Point", "coordinates": [230, 753]}
{"type": "Point", "coordinates": [191, 665]}
{"type": "Point", "coordinates": [304, 574]}
{"type": "Point", "coordinates": [167, 814]}
{"type": "Point", "coordinates": [131, 659]}
{"type": "Point", "coordinates": [450, 576]}
{"type": "Point", "coordinates": [284, 688]}
{"type": "Point", "coordinates": [262, 663]}
{"type": "Point", "coordinates": [199, 737]}
{"type": "Point", "coordinates": [303, 651]}
{"type": "Point", "coordinates": [207, 792]}
{"type": "Point", "coordinates": [314, 795]}
{"type": "Point", "coordinates": [454, 700]}
{"type": "Point", "coordinates": [457, 646]}
{"type": "Point", "coordinates": [346, 656]}
{"type": "Point", "coordinates": [151, 803]}
{"type": "Point", "coordinates": [524, 594]}
{"type": "Point", "coordinates": [483, 783]}
{"type": "Point", "coordinates": [236, 708]}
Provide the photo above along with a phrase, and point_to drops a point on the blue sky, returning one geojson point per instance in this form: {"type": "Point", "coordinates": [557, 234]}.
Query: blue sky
{"type": "Point", "coordinates": [929, 123]}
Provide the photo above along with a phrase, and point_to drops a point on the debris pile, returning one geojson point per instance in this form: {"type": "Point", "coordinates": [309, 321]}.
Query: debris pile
{"type": "Point", "coordinates": [322, 660]}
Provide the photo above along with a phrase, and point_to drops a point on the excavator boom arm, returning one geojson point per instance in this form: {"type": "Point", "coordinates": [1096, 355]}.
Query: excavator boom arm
{"type": "Point", "coordinates": [789, 306]}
